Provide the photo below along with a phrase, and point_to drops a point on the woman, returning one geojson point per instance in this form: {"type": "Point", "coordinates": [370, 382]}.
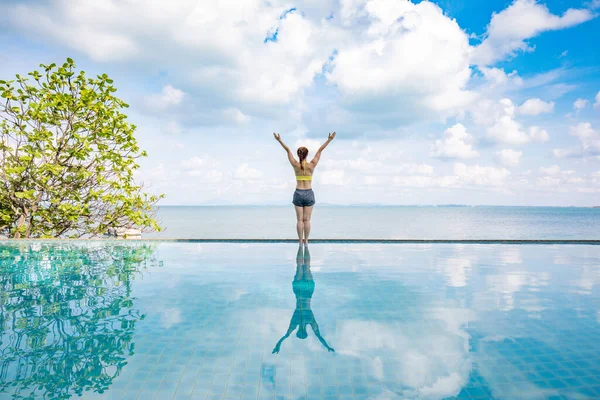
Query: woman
{"type": "Point", "coordinates": [304, 287]}
{"type": "Point", "coordinates": [304, 198]}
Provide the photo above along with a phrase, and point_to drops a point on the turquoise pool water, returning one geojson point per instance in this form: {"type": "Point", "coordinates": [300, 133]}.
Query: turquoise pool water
{"type": "Point", "coordinates": [142, 320]}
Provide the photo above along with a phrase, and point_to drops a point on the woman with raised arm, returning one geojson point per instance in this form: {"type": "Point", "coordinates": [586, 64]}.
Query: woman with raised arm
{"type": "Point", "coordinates": [304, 197]}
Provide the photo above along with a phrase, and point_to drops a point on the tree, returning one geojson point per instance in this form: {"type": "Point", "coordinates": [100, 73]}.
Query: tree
{"type": "Point", "coordinates": [67, 316]}
{"type": "Point", "coordinates": [67, 157]}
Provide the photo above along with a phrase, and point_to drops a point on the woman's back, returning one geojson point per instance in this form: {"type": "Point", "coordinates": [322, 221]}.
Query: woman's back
{"type": "Point", "coordinates": [307, 170]}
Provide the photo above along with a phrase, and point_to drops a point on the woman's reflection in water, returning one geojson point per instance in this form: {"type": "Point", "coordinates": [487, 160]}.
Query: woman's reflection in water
{"type": "Point", "coordinates": [304, 287]}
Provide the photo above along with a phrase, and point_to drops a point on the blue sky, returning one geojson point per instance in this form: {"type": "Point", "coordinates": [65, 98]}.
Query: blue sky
{"type": "Point", "coordinates": [470, 102]}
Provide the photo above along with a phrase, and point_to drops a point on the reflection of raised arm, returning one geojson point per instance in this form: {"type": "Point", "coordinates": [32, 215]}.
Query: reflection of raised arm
{"type": "Point", "coordinates": [287, 150]}
{"type": "Point", "coordinates": [318, 334]}
{"type": "Point", "coordinates": [317, 157]}
{"type": "Point", "coordinates": [287, 334]}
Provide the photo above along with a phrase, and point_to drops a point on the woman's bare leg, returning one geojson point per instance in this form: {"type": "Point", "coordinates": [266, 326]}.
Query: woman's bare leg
{"type": "Point", "coordinates": [306, 220]}
{"type": "Point", "coordinates": [299, 223]}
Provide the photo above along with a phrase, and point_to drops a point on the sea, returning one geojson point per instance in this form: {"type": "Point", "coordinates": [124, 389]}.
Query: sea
{"type": "Point", "coordinates": [380, 222]}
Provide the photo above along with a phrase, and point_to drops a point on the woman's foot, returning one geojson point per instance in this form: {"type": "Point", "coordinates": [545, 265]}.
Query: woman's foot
{"type": "Point", "coordinates": [306, 242]}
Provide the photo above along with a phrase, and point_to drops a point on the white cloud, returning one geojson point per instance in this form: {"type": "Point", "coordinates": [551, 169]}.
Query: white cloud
{"type": "Point", "coordinates": [508, 131]}
{"type": "Point", "coordinates": [235, 115]}
{"type": "Point", "coordinates": [456, 143]}
{"type": "Point", "coordinates": [173, 128]}
{"type": "Point", "coordinates": [487, 112]}
{"type": "Point", "coordinates": [207, 176]}
{"type": "Point", "coordinates": [509, 283]}
{"type": "Point", "coordinates": [456, 268]}
{"type": "Point", "coordinates": [219, 46]}
{"type": "Point", "coordinates": [421, 169]}
{"type": "Point", "coordinates": [168, 97]}
{"type": "Point", "coordinates": [258, 59]}
{"type": "Point", "coordinates": [98, 42]}
{"type": "Point", "coordinates": [372, 70]}
{"type": "Point", "coordinates": [496, 77]}
{"type": "Point", "coordinates": [580, 104]}
{"type": "Point", "coordinates": [505, 37]}
{"type": "Point", "coordinates": [246, 173]}
{"type": "Point", "coordinates": [480, 175]}
{"type": "Point", "coordinates": [583, 131]}
{"type": "Point", "coordinates": [597, 103]}
{"type": "Point", "coordinates": [462, 176]}
{"type": "Point", "coordinates": [536, 107]}
{"type": "Point", "coordinates": [538, 134]}
{"type": "Point", "coordinates": [589, 142]}
{"type": "Point", "coordinates": [511, 255]}
{"type": "Point", "coordinates": [554, 177]}
{"type": "Point", "coordinates": [193, 163]}
{"type": "Point", "coordinates": [508, 157]}
{"type": "Point", "coordinates": [332, 177]}
{"type": "Point", "coordinates": [195, 167]}
{"type": "Point", "coordinates": [564, 153]}
{"type": "Point", "coordinates": [502, 128]}
{"type": "Point", "coordinates": [432, 365]}
{"type": "Point", "coordinates": [552, 170]}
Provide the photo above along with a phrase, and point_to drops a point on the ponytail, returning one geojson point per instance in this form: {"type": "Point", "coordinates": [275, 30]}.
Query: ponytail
{"type": "Point", "coordinates": [302, 154]}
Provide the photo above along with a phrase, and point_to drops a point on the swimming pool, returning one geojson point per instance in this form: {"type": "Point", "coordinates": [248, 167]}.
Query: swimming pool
{"type": "Point", "coordinates": [209, 321]}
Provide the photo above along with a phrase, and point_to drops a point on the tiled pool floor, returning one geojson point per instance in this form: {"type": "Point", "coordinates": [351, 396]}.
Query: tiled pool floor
{"type": "Point", "coordinates": [144, 320]}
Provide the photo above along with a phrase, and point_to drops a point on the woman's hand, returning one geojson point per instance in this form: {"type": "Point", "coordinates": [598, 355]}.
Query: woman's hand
{"type": "Point", "coordinates": [331, 136]}
{"type": "Point", "coordinates": [277, 137]}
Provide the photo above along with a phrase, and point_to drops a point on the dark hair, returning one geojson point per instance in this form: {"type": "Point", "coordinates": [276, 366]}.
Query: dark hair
{"type": "Point", "coordinates": [301, 334]}
{"type": "Point", "coordinates": [302, 153]}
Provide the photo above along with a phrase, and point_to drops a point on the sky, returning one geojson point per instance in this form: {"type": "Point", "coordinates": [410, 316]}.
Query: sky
{"type": "Point", "coordinates": [433, 102]}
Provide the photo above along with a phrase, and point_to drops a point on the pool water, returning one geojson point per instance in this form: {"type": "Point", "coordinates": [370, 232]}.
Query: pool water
{"type": "Point", "coordinates": [161, 320]}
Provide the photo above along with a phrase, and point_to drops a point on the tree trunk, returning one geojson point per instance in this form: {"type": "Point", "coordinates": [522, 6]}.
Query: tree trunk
{"type": "Point", "coordinates": [32, 214]}
{"type": "Point", "coordinates": [20, 224]}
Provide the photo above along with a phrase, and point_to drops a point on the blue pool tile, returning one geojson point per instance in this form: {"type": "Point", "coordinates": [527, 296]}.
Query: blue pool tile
{"type": "Point", "coordinates": [562, 373]}
{"type": "Point", "coordinates": [463, 395]}
{"type": "Point", "coordinates": [547, 374]}
{"type": "Point", "coordinates": [557, 384]}
{"type": "Point", "coordinates": [573, 382]}
{"type": "Point", "coordinates": [478, 392]}
{"type": "Point", "coordinates": [129, 394]}
{"type": "Point", "coordinates": [590, 380]}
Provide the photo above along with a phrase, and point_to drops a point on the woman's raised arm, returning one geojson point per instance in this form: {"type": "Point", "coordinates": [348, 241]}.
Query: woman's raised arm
{"type": "Point", "coordinates": [287, 150]}
{"type": "Point", "coordinates": [317, 157]}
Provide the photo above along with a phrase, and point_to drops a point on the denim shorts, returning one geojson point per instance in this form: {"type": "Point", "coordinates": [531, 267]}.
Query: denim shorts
{"type": "Point", "coordinates": [304, 198]}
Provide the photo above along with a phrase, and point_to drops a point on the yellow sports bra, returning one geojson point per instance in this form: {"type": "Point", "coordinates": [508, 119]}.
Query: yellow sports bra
{"type": "Point", "coordinates": [304, 177]}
